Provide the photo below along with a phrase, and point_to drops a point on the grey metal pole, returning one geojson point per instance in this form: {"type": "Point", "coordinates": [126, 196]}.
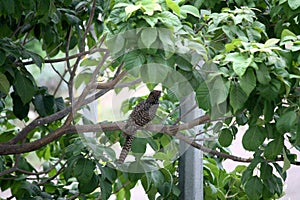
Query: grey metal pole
{"type": "Point", "coordinates": [190, 162]}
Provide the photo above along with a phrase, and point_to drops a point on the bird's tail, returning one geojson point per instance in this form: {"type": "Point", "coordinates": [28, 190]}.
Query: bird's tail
{"type": "Point", "coordinates": [125, 150]}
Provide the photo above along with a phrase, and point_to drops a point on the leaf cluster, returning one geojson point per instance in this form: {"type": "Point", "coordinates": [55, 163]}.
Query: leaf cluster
{"type": "Point", "coordinates": [241, 58]}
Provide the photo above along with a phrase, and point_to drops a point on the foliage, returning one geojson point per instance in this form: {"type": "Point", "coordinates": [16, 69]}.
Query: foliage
{"type": "Point", "coordinates": [218, 184]}
{"type": "Point", "coordinates": [241, 58]}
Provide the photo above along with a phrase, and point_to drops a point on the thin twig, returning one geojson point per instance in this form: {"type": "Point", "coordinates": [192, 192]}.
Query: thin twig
{"type": "Point", "coordinates": [89, 23]}
{"type": "Point", "coordinates": [60, 82]}
{"type": "Point", "coordinates": [42, 172]}
{"type": "Point", "coordinates": [53, 177]}
{"type": "Point", "coordinates": [57, 72]}
{"type": "Point", "coordinates": [56, 60]}
{"type": "Point", "coordinates": [8, 171]}
{"type": "Point", "coordinates": [74, 196]}
{"type": "Point", "coordinates": [72, 74]}
{"type": "Point", "coordinates": [76, 64]}
{"type": "Point", "coordinates": [86, 91]}
{"type": "Point", "coordinates": [69, 35]}
{"type": "Point", "coordinates": [206, 139]}
{"type": "Point", "coordinates": [128, 84]}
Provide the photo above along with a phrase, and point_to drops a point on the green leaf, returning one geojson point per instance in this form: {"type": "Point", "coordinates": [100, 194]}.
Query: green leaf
{"type": "Point", "coordinates": [274, 185]}
{"type": "Point", "coordinates": [24, 88]}
{"type": "Point", "coordinates": [253, 138]}
{"type": "Point", "coordinates": [82, 78]}
{"type": "Point", "coordinates": [286, 121]}
{"type": "Point", "coordinates": [4, 84]}
{"type": "Point", "coordinates": [8, 7]}
{"type": "Point", "coordinates": [68, 172]}
{"type": "Point", "coordinates": [88, 62]}
{"type": "Point", "coordinates": [148, 36]}
{"type": "Point", "coordinates": [184, 64]}
{"type": "Point", "coordinates": [24, 164]}
{"type": "Point", "coordinates": [90, 185]}
{"type": "Point", "coordinates": [26, 189]}
{"type": "Point", "coordinates": [271, 91]}
{"type": "Point", "coordinates": [139, 145]}
{"type": "Point", "coordinates": [165, 140]}
{"type": "Point", "coordinates": [47, 153]}
{"type": "Point", "coordinates": [241, 119]}
{"type": "Point", "coordinates": [84, 170]}
{"type": "Point", "coordinates": [189, 9]}
{"type": "Point", "coordinates": [109, 173]}
{"type": "Point", "coordinates": [234, 44]}
{"type": "Point", "coordinates": [294, 4]}
{"type": "Point", "coordinates": [20, 110]}
{"type": "Point", "coordinates": [166, 37]}
{"type": "Point", "coordinates": [287, 35]}
{"type": "Point", "coordinates": [225, 137]}
{"type": "Point", "coordinates": [265, 170]}
{"type": "Point", "coordinates": [130, 9]}
{"type": "Point", "coordinates": [150, 7]}
{"type": "Point", "coordinates": [153, 143]}
{"type": "Point", "coordinates": [219, 91]}
{"type": "Point", "coordinates": [198, 47]}
{"type": "Point", "coordinates": [146, 181]}
{"type": "Point", "coordinates": [134, 177]}
{"type": "Point", "coordinates": [165, 189]}
{"type": "Point", "coordinates": [254, 188]}
{"type": "Point", "coordinates": [271, 42]}
{"type": "Point", "coordinates": [263, 75]}
{"type": "Point", "coordinates": [134, 59]}
{"type": "Point", "coordinates": [274, 148]}
{"type": "Point", "coordinates": [203, 96]}
{"type": "Point", "coordinates": [59, 103]}
{"type": "Point", "coordinates": [161, 156]}
{"type": "Point", "coordinates": [2, 57]}
{"type": "Point", "coordinates": [237, 97]}
{"type": "Point", "coordinates": [157, 178]}
{"type": "Point", "coordinates": [106, 188]}
{"type": "Point", "coordinates": [173, 6]}
{"type": "Point", "coordinates": [176, 191]}
{"type": "Point", "coordinates": [248, 82]}
{"type": "Point", "coordinates": [152, 20]}
{"type": "Point", "coordinates": [170, 20]}
{"type": "Point", "coordinates": [240, 62]}
{"type": "Point", "coordinates": [297, 139]}
{"type": "Point", "coordinates": [4, 137]}
{"type": "Point", "coordinates": [286, 162]}
{"type": "Point", "coordinates": [268, 110]}
{"type": "Point", "coordinates": [44, 104]}
{"type": "Point", "coordinates": [72, 19]}
{"type": "Point", "coordinates": [37, 59]}
{"type": "Point", "coordinates": [43, 8]}
{"type": "Point", "coordinates": [115, 43]}
{"type": "Point", "coordinates": [217, 127]}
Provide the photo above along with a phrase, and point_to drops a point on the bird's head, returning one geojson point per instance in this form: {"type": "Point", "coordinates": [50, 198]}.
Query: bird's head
{"type": "Point", "coordinates": [154, 96]}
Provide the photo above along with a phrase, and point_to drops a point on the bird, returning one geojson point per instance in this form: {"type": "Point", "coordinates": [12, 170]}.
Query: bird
{"type": "Point", "coordinates": [141, 115]}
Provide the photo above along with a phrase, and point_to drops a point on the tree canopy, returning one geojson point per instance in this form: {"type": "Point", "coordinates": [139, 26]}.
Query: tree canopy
{"type": "Point", "coordinates": [241, 59]}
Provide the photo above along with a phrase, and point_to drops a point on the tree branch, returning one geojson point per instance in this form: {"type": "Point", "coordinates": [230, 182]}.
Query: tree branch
{"type": "Point", "coordinates": [171, 130]}
{"type": "Point", "coordinates": [6, 149]}
{"type": "Point", "coordinates": [168, 129]}
{"type": "Point", "coordinates": [56, 60]}
{"type": "Point", "coordinates": [38, 122]}
{"type": "Point", "coordinates": [112, 83]}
